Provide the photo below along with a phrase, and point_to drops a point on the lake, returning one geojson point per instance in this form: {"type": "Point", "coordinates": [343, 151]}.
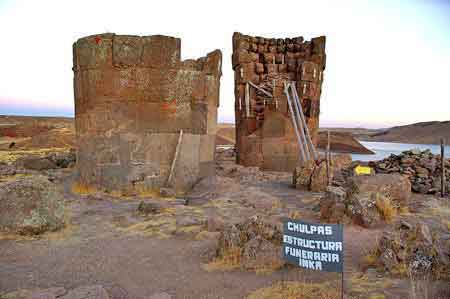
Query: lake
{"type": "Point", "coordinates": [384, 149]}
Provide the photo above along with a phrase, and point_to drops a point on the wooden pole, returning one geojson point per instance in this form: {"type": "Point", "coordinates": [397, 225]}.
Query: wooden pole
{"type": "Point", "coordinates": [298, 119]}
{"type": "Point", "coordinates": [286, 91]}
{"type": "Point", "coordinates": [177, 150]}
{"type": "Point", "coordinates": [442, 167]}
{"type": "Point", "coordinates": [328, 156]}
{"type": "Point", "coordinates": [305, 125]}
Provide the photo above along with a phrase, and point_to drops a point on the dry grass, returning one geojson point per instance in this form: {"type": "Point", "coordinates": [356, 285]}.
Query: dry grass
{"type": "Point", "coordinates": [83, 189]}
{"type": "Point", "coordinates": [230, 260]}
{"type": "Point", "coordinates": [362, 284]}
{"type": "Point", "coordinates": [295, 215]}
{"type": "Point", "coordinates": [11, 156]}
{"type": "Point", "coordinates": [297, 290]}
{"type": "Point", "coordinates": [386, 209]}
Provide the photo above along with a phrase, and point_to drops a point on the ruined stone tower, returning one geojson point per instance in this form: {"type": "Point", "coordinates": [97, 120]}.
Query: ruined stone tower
{"type": "Point", "coordinates": [264, 133]}
{"type": "Point", "coordinates": [133, 96]}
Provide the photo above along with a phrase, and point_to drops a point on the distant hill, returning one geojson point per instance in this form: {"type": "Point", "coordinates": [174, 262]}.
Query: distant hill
{"type": "Point", "coordinates": [420, 133]}
{"type": "Point", "coordinates": [342, 142]}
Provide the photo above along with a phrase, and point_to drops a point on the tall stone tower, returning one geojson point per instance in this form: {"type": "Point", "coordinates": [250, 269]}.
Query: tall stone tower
{"type": "Point", "coordinates": [264, 133]}
{"type": "Point", "coordinates": [133, 97]}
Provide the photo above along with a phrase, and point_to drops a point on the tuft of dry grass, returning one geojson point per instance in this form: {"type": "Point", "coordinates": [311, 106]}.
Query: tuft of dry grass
{"type": "Point", "coordinates": [386, 208]}
{"type": "Point", "coordinates": [295, 214]}
{"type": "Point", "coordinates": [83, 189]}
{"type": "Point", "coordinates": [297, 290]}
{"type": "Point", "coordinates": [230, 260]}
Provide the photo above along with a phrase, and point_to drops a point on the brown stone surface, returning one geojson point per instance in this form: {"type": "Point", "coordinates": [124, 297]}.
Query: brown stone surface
{"type": "Point", "coordinates": [133, 95]}
{"type": "Point", "coordinates": [268, 119]}
{"type": "Point", "coordinates": [31, 205]}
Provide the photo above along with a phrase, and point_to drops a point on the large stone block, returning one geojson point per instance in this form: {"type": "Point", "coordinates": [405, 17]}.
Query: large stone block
{"type": "Point", "coordinates": [127, 50]}
{"type": "Point", "coordinates": [94, 51]}
{"type": "Point", "coordinates": [161, 51]}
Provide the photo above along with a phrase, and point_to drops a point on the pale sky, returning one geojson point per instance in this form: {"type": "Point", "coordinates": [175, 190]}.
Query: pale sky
{"type": "Point", "coordinates": [388, 62]}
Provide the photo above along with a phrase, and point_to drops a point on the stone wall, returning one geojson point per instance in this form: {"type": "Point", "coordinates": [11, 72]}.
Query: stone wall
{"type": "Point", "coordinates": [264, 132]}
{"type": "Point", "coordinates": [133, 95]}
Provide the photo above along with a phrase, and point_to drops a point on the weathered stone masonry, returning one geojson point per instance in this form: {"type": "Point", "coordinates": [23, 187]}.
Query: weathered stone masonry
{"type": "Point", "coordinates": [133, 95]}
{"type": "Point", "coordinates": [264, 132]}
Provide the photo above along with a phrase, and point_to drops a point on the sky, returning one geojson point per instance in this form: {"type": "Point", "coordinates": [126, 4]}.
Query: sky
{"type": "Point", "coordinates": [388, 62]}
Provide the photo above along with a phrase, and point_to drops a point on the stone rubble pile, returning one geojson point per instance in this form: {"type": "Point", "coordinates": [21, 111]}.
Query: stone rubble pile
{"type": "Point", "coordinates": [254, 244]}
{"type": "Point", "coordinates": [415, 251]}
{"type": "Point", "coordinates": [422, 168]}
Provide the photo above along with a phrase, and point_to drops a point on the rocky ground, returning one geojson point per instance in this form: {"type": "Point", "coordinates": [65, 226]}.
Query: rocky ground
{"type": "Point", "coordinates": [167, 247]}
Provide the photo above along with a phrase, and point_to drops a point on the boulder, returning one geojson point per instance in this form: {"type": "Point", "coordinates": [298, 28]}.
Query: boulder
{"type": "Point", "coordinates": [301, 178]}
{"type": "Point", "coordinates": [362, 209]}
{"type": "Point", "coordinates": [261, 253]}
{"type": "Point", "coordinates": [147, 208]}
{"type": "Point", "coordinates": [319, 180]}
{"type": "Point", "coordinates": [63, 159]}
{"type": "Point", "coordinates": [256, 243]}
{"type": "Point", "coordinates": [332, 205]}
{"type": "Point", "coordinates": [31, 205]}
{"type": "Point", "coordinates": [394, 186]}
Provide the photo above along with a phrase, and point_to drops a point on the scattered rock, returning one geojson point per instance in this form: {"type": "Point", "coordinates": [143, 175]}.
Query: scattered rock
{"type": "Point", "coordinates": [405, 225]}
{"type": "Point", "coordinates": [261, 200]}
{"type": "Point", "coordinates": [91, 292]}
{"type": "Point", "coordinates": [6, 169]}
{"type": "Point", "coordinates": [160, 296]}
{"type": "Point", "coordinates": [31, 205]}
{"type": "Point", "coordinates": [167, 192]}
{"type": "Point", "coordinates": [51, 293]}
{"type": "Point", "coordinates": [147, 208]}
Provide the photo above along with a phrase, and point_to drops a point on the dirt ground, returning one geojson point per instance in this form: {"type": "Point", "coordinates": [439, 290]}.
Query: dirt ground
{"type": "Point", "coordinates": [107, 242]}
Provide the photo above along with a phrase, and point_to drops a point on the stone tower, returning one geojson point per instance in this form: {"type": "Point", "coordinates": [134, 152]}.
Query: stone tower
{"type": "Point", "coordinates": [264, 133]}
{"type": "Point", "coordinates": [133, 96]}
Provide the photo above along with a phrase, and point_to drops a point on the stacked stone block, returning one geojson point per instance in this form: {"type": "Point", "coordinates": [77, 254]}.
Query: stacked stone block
{"type": "Point", "coordinates": [133, 95]}
{"type": "Point", "coordinates": [264, 133]}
